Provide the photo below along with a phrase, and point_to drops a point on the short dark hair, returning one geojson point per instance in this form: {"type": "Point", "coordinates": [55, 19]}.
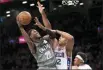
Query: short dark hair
{"type": "Point", "coordinates": [83, 55]}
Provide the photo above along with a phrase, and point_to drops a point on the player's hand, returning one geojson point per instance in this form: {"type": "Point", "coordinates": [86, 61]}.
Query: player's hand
{"type": "Point", "coordinates": [18, 22]}
{"type": "Point", "coordinates": [40, 7]}
{"type": "Point", "coordinates": [38, 23]}
{"type": "Point", "coordinates": [36, 20]}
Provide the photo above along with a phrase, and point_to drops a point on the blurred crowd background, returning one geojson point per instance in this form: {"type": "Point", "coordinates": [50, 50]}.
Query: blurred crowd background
{"type": "Point", "coordinates": [84, 22]}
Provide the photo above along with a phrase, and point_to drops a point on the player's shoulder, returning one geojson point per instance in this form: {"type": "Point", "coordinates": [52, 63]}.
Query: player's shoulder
{"type": "Point", "coordinates": [45, 36]}
{"type": "Point", "coordinates": [86, 66]}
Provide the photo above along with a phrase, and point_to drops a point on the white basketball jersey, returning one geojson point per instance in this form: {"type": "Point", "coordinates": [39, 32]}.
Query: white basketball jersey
{"type": "Point", "coordinates": [61, 58]}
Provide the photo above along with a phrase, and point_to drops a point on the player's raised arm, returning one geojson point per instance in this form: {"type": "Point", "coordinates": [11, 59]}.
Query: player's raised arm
{"type": "Point", "coordinates": [24, 33]}
{"type": "Point", "coordinates": [44, 17]}
{"type": "Point", "coordinates": [46, 22]}
{"type": "Point", "coordinates": [48, 31]}
{"type": "Point", "coordinates": [69, 40]}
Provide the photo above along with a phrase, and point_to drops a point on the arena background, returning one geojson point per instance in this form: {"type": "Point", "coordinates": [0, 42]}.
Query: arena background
{"type": "Point", "coordinates": [84, 21]}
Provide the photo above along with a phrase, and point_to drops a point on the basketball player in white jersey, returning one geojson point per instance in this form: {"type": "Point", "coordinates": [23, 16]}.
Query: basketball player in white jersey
{"type": "Point", "coordinates": [62, 47]}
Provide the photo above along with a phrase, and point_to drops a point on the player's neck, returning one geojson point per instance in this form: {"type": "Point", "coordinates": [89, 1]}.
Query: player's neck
{"type": "Point", "coordinates": [61, 47]}
{"type": "Point", "coordinates": [81, 64]}
{"type": "Point", "coordinates": [36, 40]}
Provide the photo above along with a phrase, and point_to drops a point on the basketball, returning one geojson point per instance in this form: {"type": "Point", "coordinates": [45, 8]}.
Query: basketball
{"type": "Point", "coordinates": [24, 18]}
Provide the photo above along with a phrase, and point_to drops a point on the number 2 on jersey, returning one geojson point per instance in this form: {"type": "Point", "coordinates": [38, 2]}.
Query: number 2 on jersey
{"type": "Point", "coordinates": [58, 61]}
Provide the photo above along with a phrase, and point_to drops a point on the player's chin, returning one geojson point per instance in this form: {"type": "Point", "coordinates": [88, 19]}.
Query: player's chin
{"type": "Point", "coordinates": [75, 63]}
{"type": "Point", "coordinates": [38, 36]}
{"type": "Point", "coordinates": [60, 42]}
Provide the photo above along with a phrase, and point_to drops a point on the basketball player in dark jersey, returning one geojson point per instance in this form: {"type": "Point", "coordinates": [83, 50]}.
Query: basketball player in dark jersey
{"type": "Point", "coordinates": [40, 47]}
{"type": "Point", "coordinates": [66, 43]}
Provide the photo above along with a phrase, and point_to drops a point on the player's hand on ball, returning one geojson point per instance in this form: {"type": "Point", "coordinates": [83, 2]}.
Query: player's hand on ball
{"type": "Point", "coordinates": [17, 20]}
{"type": "Point", "coordinates": [24, 18]}
{"type": "Point", "coordinates": [40, 7]}
{"type": "Point", "coordinates": [19, 25]}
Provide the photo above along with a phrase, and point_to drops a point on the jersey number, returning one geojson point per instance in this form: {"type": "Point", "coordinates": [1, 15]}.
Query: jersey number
{"type": "Point", "coordinates": [58, 62]}
{"type": "Point", "coordinates": [48, 55]}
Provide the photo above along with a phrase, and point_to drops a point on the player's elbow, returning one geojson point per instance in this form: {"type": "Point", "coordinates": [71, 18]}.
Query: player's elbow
{"type": "Point", "coordinates": [71, 38]}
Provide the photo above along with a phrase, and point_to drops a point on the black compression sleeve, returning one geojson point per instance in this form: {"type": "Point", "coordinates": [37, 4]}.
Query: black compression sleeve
{"type": "Point", "coordinates": [52, 34]}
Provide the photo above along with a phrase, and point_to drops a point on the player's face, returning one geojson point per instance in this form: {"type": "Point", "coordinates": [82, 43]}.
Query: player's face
{"type": "Point", "coordinates": [34, 34]}
{"type": "Point", "coordinates": [62, 41]}
{"type": "Point", "coordinates": [77, 61]}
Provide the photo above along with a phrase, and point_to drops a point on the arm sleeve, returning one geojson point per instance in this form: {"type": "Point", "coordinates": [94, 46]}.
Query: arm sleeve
{"type": "Point", "coordinates": [51, 34]}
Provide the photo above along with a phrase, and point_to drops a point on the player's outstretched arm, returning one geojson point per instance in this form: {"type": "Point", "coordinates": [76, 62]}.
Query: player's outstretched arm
{"type": "Point", "coordinates": [46, 22]}
{"type": "Point", "coordinates": [44, 17]}
{"type": "Point", "coordinates": [48, 31]}
{"type": "Point", "coordinates": [70, 40]}
{"type": "Point", "coordinates": [26, 37]}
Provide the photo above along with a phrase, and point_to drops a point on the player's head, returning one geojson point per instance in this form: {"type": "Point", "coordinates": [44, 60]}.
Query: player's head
{"type": "Point", "coordinates": [62, 41]}
{"type": "Point", "coordinates": [34, 34]}
{"type": "Point", "coordinates": [80, 58]}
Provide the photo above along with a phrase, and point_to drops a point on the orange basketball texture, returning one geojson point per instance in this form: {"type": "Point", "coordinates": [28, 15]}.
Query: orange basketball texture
{"type": "Point", "coordinates": [24, 18]}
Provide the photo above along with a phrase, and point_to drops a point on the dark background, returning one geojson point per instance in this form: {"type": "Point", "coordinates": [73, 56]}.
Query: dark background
{"type": "Point", "coordinates": [84, 22]}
